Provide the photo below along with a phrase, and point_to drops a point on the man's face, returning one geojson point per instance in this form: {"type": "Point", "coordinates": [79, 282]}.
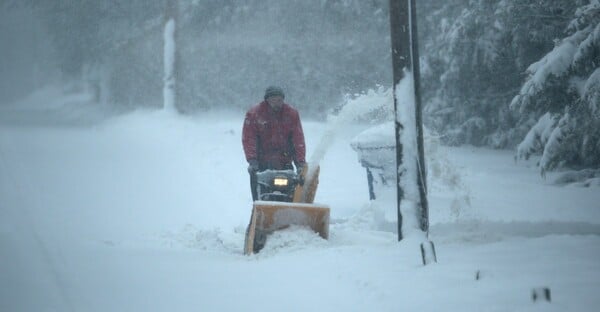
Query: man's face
{"type": "Point", "coordinates": [276, 102]}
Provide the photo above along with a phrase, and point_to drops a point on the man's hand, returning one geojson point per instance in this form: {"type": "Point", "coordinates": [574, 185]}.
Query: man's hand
{"type": "Point", "coordinates": [252, 166]}
{"type": "Point", "coordinates": [300, 167]}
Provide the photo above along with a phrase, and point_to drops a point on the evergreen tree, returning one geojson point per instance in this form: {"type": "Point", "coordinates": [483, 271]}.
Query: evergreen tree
{"type": "Point", "coordinates": [477, 55]}
{"type": "Point", "coordinates": [562, 92]}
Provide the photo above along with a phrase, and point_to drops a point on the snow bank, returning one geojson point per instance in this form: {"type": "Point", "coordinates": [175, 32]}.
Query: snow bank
{"type": "Point", "coordinates": [586, 177]}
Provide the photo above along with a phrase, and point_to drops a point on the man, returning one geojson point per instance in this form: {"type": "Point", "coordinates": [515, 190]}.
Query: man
{"type": "Point", "coordinates": [272, 135]}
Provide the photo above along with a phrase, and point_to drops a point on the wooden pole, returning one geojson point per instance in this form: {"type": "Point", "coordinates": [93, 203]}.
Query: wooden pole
{"type": "Point", "coordinates": [422, 174]}
{"type": "Point", "coordinates": [400, 38]}
{"type": "Point", "coordinates": [405, 57]}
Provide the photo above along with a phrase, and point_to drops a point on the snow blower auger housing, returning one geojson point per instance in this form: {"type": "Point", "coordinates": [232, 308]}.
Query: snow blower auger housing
{"type": "Point", "coordinates": [285, 198]}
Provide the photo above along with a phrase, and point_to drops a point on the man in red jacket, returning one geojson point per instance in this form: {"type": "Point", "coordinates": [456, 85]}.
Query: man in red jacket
{"type": "Point", "coordinates": [272, 135]}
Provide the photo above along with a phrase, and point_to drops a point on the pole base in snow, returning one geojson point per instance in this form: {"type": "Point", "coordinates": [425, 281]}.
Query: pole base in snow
{"type": "Point", "coordinates": [428, 253]}
{"type": "Point", "coordinates": [541, 294]}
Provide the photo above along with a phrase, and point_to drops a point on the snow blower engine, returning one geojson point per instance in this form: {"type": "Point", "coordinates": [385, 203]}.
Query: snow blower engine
{"type": "Point", "coordinates": [277, 185]}
{"type": "Point", "coordinates": [284, 198]}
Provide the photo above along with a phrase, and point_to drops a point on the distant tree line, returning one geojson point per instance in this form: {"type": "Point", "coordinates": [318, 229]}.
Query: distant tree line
{"type": "Point", "coordinates": [502, 73]}
{"type": "Point", "coordinates": [230, 50]}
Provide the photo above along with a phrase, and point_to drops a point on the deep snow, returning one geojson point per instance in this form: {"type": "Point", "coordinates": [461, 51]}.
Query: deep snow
{"type": "Point", "coordinates": [147, 212]}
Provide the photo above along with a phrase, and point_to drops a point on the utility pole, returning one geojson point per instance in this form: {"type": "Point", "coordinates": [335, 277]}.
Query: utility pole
{"type": "Point", "coordinates": [422, 174]}
{"type": "Point", "coordinates": [405, 58]}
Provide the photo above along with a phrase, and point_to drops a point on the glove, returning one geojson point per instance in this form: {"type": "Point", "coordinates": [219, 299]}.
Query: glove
{"type": "Point", "coordinates": [299, 167]}
{"type": "Point", "coordinates": [252, 166]}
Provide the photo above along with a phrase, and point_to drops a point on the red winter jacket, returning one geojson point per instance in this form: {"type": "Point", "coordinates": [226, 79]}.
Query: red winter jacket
{"type": "Point", "coordinates": [274, 139]}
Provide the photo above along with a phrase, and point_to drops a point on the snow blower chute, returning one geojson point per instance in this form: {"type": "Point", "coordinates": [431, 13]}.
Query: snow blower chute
{"type": "Point", "coordinates": [285, 198]}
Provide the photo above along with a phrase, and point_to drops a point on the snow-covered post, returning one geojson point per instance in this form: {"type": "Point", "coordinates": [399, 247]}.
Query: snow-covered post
{"type": "Point", "coordinates": [411, 184]}
{"type": "Point", "coordinates": [422, 172]}
{"type": "Point", "coordinates": [170, 57]}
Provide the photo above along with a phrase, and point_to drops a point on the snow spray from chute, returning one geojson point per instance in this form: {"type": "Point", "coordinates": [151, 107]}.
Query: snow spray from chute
{"type": "Point", "coordinates": [354, 108]}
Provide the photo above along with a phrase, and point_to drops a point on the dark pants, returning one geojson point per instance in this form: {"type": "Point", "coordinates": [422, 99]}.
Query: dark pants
{"type": "Point", "coordinates": [253, 186]}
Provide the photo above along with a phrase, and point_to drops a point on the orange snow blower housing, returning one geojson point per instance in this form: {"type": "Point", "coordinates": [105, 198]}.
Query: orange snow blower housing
{"type": "Point", "coordinates": [285, 198]}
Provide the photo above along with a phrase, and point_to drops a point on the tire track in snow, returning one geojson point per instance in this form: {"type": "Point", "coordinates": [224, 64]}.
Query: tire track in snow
{"type": "Point", "coordinates": [38, 254]}
{"type": "Point", "coordinates": [484, 231]}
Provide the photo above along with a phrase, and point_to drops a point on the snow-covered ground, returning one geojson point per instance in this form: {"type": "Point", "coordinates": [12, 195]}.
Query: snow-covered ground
{"type": "Point", "coordinates": [147, 211]}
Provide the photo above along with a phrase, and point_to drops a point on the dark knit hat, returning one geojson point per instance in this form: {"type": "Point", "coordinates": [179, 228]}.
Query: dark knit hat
{"type": "Point", "coordinates": [274, 91]}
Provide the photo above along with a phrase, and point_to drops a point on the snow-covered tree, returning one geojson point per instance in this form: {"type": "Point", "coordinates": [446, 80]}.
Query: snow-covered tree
{"type": "Point", "coordinates": [464, 52]}
{"type": "Point", "coordinates": [474, 58]}
{"type": "Point", "coordinates": [562, 92]}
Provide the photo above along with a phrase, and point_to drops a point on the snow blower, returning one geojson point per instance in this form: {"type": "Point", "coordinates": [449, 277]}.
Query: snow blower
{"type": "Point", "coordinates": [284, 198]}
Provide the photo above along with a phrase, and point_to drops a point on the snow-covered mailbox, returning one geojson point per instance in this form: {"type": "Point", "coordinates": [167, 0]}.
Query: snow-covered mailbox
{"type": "Point", "coordinates": [376, 149]}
